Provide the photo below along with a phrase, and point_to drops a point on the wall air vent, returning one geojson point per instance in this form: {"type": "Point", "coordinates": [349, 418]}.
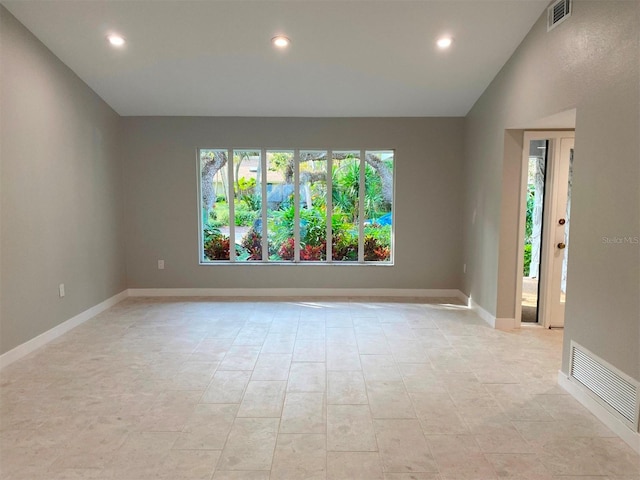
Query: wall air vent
{"type": "Point", "coordinates": [557, 13]}
{"type": "Point", "coordinates": [614, 390]}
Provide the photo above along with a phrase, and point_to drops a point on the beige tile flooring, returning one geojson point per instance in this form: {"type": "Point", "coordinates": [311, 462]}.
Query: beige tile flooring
{"type": "Point", "coordinates": [291, 389]}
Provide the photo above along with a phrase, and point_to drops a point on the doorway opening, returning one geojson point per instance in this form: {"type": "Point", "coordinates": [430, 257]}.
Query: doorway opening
{"type": "Point", "coordinates": [535, 189]}
{"type": "Point", "coordinates": [544, 234]}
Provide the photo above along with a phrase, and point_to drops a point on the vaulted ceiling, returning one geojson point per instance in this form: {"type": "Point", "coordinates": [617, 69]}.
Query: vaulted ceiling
{"type": "Point", "coordinates": [347, 58]}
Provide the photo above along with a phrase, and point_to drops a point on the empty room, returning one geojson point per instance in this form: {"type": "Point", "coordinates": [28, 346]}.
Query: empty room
{"type": "Point", "coordinates": [318, 239]}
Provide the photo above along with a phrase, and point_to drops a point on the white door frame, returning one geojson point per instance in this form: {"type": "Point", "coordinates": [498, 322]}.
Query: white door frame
{"type": "Point", "coordinates": [549, 234]}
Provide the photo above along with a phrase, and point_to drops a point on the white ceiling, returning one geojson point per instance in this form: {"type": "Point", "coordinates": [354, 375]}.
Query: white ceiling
{"type": "Point", "coordinates": [347, 58]}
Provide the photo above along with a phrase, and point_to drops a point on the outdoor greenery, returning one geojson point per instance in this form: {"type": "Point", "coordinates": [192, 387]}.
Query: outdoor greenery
{"type": "Point", "coordinates": [528, 230]}
{"type": "Point", "coordinates": [345, 219]}
{"type": "Point", "coordinates": [527, 260]}
{"type": "Point", "coordinates": [244, 217]}
{"type": "Point", "coordinates": [251, 246]}
{"type": "Point", "coordinates": [216, 245]}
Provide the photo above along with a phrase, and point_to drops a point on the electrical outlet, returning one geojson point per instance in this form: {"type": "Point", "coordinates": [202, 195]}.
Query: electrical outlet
{"type": "Point", "coordinates": [61, 290]}
{"type": "Point", "coordinates": [160, 264]}
{"type": "Point", "coordinates": [464, 268]}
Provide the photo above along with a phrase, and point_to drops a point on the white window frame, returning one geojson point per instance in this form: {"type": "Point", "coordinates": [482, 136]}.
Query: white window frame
{"type": "Point", "coordinates": [329, 207]}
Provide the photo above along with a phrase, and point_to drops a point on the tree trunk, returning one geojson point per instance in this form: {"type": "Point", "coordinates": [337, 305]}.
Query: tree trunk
{"type": "Point", "coordinates": [386, 176]}
{"type": "Point", "coordinates": [211, 166]}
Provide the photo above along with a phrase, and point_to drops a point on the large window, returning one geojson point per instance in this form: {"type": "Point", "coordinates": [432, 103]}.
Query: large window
{"type": "Point", "coordinates": [296, 206]}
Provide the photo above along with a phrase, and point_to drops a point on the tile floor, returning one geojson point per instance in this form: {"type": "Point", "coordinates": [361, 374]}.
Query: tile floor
{"type": "Point", "coordinates": [290, 389]}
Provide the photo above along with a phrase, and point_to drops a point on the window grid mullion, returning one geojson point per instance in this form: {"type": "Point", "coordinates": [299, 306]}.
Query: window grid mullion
{"type": "Point", "coordinates": [231, 197]}
{"type": "Point", "coordinates": [263, 175]}
{"type": "Point", "coordinates": [296, 201]}
{"type": "Point", "coordinates": [329, 204]}
{"type": "Point", "coordinates": [361, 192]}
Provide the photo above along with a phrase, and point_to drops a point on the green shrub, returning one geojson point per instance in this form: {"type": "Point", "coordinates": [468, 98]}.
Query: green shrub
{"type": "Point", "coordinates": [209, 232]}
{"type": "Point", "coordinates": [313, 253]}
{"type": "Point", "coordinates": [381, 233]}
{"type": "Point", "coordinates": [280, 227]}
{"type": "Point", "coordinates": [217, 247]}
{"type": "Point", "coordinates": [374, 251]}
{"type": "Point", "coordinates": [346, 188]}
{"type": "Point", "coordinates": [244, 217]}
{"type": "Point", "coordinates": [286, 250]}
{"type": "Point", "coordinates": [252, 245]}
{"type": "Point", "coordinates": [313, 226]}
{"type": "Point", "coordinates": [245, 186]}
{"type": "Point", "coordinates": [527, 260]}
{"type": "Point", "coordinates": [528, 231]}
{"type": "Point", "coordinates": [252, 202]}
{"type": "Point", "coordinates": [345, 245]}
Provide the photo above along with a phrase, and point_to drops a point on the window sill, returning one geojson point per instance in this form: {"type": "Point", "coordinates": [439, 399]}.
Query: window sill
{"type": "Point", "coordinates": [288, 264]}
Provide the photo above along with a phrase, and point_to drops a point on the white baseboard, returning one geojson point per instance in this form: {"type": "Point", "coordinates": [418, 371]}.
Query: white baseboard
{"type": "Point", "coordinates": [296, 292]}
{"type": "Point", "coordinates": [26, 348]}
{"type": "Point", "coordinates": [466, 300]}
{"type": "Point", "coordinates": [497, 323]}
{"type": "Point", "coordinates": [579, 393]}
{"type": "Point", "coordinates": [482, 313]}
{"type": "Point", "coordinates": [505, 323]}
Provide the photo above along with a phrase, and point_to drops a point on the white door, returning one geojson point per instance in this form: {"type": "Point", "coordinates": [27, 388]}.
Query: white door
{"type": "Point", "coordinates": [560, 233]}
{"type": "Point", "coordinates": [544, 227]}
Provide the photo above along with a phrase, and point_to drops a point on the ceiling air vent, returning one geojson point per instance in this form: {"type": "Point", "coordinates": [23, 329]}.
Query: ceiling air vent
{"type": "Point", "coordinates": [557, 13]}
{"type": "Point", "coordinates": [607, 385]}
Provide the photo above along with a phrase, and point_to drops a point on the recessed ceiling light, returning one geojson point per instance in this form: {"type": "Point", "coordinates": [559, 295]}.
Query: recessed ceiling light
{"type": "Point", "coordinates": [444, 42]}
{"type": "Point", "coordinates": [281, 41]}
{"type": "Point", "coordinates": [116, 40]}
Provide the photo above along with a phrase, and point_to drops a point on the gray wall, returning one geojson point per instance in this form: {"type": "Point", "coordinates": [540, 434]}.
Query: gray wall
{"type": "Point", "coordinates": [61, 190]}
{"type": "Point", "coordinates": [590, 62]}
{"type": "Point", "coordinates": [162, 213]}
